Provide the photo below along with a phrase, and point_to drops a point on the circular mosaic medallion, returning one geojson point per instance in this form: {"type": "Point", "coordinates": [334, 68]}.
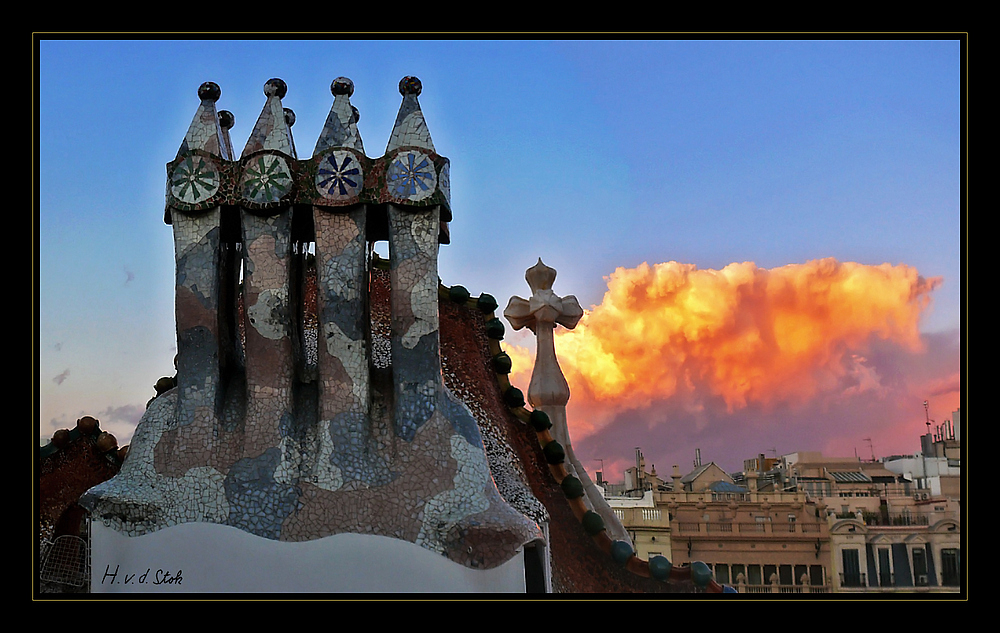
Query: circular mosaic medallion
{"type": "Point", "coordinates": [339, 176]}
{"type": "Point", "coordinates": [411, 176]}
{"type": "Point", "coordinates": [266, 179]}
{"type": "Point", "coordinates": [195, 179]}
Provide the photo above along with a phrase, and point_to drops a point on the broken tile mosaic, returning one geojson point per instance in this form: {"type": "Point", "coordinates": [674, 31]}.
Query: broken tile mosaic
{"type": "Point", "coordinates": [255, 439]}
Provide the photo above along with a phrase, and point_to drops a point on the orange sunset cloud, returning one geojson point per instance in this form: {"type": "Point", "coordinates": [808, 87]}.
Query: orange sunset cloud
{"type": "Point", "coordinates": [742, 334]}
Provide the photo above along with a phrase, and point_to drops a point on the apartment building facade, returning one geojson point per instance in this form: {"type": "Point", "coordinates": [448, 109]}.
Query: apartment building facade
{"type": "Point", "coordinates": [756, 541]}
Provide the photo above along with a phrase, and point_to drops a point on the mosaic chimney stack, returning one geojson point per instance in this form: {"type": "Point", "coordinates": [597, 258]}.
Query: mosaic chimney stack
{"type": "Point", "coordinates": [203, 265]}
{"type": "Point", "coordinates": [344, 355]}
{"type": "Point", "coordinates": [413, 249]}
{"type": "Point", "coordinates": [258, 437]}
{"type": "Point", "coordinates": [266, 223]}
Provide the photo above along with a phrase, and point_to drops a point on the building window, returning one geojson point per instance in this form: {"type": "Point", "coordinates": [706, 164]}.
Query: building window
{"type": "Point", "coordinates": [884, 568]}
{"type": "Point", "coordinates": [852, 569]}
{"type": "Point", "coordinates": [737, 571]}
{"type": "Point", "coordinates": [722, 574]}
{"type": "Point", "coordinates": [769, 572]}
{"type": "Point", "coordinates": [785, 575]}
{"type": "Point", "coordinates": [920, 567]}
{"type": "Point", "coordinates": [950, 566]}
{"type": "Point", "coordinates": [816, 578]}
{"type": "Point", "coordinates": [800, 571]}
{"type": "Point", "coordinates": [753, 575]}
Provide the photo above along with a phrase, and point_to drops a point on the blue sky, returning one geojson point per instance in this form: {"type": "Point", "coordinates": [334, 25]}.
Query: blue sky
{"type": "Point", "coordinates": [592, 155]}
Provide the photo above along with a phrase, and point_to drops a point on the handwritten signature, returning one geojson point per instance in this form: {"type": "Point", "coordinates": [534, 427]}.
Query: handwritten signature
{"type": "Point", "coordinates": [160, 577]}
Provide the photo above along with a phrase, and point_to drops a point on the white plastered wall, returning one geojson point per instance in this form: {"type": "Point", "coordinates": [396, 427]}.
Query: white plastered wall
{"type": "Point", "coordinates": [211, 558]}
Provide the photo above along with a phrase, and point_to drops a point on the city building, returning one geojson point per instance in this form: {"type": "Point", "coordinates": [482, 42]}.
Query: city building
{"type": "Point", "coordinates": [635, 507]}
{"type": "Point", "coordinates": [758, 541]}
{"type": "Point", "coordinates": [937, 469]}
{"type": "Point", "coordinates": [895, 525]}
{"type": "Point", "coordinates": [807, 522]}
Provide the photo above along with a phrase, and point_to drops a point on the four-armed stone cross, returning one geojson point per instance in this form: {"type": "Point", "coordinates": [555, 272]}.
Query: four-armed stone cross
{"type": "Point", "coordinates": [548, 390]}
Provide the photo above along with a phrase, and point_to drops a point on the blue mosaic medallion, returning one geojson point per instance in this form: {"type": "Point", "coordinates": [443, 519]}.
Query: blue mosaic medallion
{"type": "Point", "coordinates": [266, 179]}
{"type": "Point", "coordinates": [195, 179]}
{"type": "Point", "coordinates": [411, 176]}
{"type": "Point", "coordinates": [339, 176]}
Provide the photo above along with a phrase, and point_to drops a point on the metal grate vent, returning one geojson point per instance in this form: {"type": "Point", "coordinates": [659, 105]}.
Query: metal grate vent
{"type": "Point", "coordinates": [66, 561]}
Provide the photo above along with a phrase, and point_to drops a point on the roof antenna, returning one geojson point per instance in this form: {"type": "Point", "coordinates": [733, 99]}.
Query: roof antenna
{"type": "Point", "coordinates": [871, 447]}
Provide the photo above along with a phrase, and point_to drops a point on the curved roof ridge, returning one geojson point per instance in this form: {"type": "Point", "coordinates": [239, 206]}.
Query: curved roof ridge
{"type": "Point", "coordinates": [698, 574]}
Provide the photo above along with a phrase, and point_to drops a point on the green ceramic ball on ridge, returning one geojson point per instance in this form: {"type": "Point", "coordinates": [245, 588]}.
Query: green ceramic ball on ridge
{"type": "Point", "coordinates": [621, 552]}
{"type": "Point", "coordinates": [593, 524]}
{"type": "Point", "coordinates": [572, 487]}
{"type": "Point", "coordinates": [486, 303]}
{"type": "Point", "coordinates": [60, 438]}
{"type": "Point", "coordinates": [513, 397]}
{"type": "Point", "coordinates": [554, 452]}
{"type": "Point", "coordinates": [502, 363]}
{"type": "Point", "coordinates": [495, 329]}
{"type": "Point", "coordinates": [659, 567]}
{"type": "Point", "coordinates": [700, 573]}
{"type": "Point", "coordinates": [458, 294]}
{"type": "Point", "coordinates": [539, 420]}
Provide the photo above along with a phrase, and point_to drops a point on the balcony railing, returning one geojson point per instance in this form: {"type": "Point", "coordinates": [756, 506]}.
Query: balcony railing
{"type": "Point", "coordinates": [894, 520]}
{"type": "Point", "coordinates": [639, 516]}
{"type": "Point", "coordinates": [650, 514]}
{"type": "Point", "coordinates": [759, 528]}
{"type": "Point", "coordinates": [882, 583]}
{"type": "Point", "coordinates": [779, 589]}
{"type": "Point", "coordinates": [729, 527]}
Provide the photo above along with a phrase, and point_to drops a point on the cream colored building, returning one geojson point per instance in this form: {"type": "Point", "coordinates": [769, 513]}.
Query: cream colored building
{"type": "Point", "coordinates": [895, 525]}
{"type": "Point", "coordinates": [647, 524]}
{"type": "Point", "coordinates": [809, 523]}
{"type": "Point", "coordinates": [757, 542]}
{"type": "Point", "coordinates": [920, 557]}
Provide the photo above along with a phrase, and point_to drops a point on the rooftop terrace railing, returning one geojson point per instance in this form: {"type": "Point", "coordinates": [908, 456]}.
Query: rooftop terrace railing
{"type": "Point", "coordinates": [745, 528]}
